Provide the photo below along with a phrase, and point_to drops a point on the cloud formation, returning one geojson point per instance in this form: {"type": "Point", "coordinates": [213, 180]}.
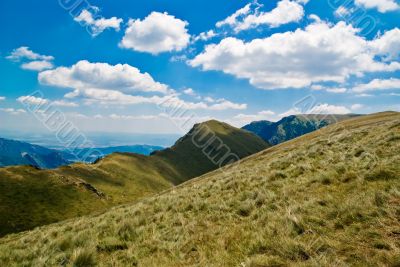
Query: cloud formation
{"type": "Point", "coordinates": [97, 24]}
{"type": "Point", "coordinates": [86, 75]}
{"type": "Point", "coordinates": [387, 45]}
{"type": "Point", "coordinates": [24, 52]}
{"type": "Point", "coordinates": [38, 102]}
{"type": "Point", "coordinates": [32, 100]}
{"type": "Point", "coordinates": [322, 108]}
{"type": "Point", "coordinates": [32, 61]}
{"type": "Point", "coordinates": [189, 91]}
{"type": "Point", "coordinates": [102, 83]}
{"type": "Point", "coordinates": [242, 119]}
{"type": "Point", "coordinates": [205, 36]}
{"type": "Point", "coordinates": [37, 65]}
{"type": "Point", "coordinates": [335, 90]}
{"type": "Point", "coordinates": [114, 97]}
{"type": "Point", "coordinates": [157, 33]}
{"type": "Point", "coordinates": [248, 17]}
{"type": "Point", "coordinates": [378, 84]}
{"type": "Point", "coordinates": [382, 6]}
{"type": "Point", "coordinates": [319, 53]}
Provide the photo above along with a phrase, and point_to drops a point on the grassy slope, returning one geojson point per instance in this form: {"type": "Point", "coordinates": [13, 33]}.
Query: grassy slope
{"type": "Point", "coordinates": [329, 198]}
{"type": "Point", "coordinates": [40, 199]}
{"type": "Point", "coordinates": [31, 197]}
{"type": "Point", "coordinates": [190, 163]}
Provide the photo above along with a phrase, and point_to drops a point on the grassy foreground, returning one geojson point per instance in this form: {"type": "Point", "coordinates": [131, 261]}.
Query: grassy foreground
{"type": "Point", "coordinates": [330, 198]}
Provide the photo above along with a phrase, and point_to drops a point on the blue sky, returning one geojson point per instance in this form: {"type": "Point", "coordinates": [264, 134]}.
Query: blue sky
{"type": "Point", "coordinates": [118, 66]}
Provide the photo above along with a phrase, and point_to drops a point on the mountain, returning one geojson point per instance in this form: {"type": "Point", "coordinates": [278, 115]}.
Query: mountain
{"type": "Point", "coordinates": [293, 126]}
{"type": "Point", "coordinates": [92, 154]}
{"type": "Point", "coordinates": [21, 153]}
{"type": "Point", "coordinates": [327, 198]}
{"type": "Point", "coordinates": [191, 154]}
{"type": "Point", "coordinates": [30, 197]}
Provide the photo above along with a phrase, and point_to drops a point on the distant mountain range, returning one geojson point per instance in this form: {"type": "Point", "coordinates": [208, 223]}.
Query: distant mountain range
{"type": "Point", "coordinates": [293, 126]}
{"type": "Point", "coordinates": [97, 139]}
{"type": "Point", "coordinates": [21, 153]}
{"type": "Point", "coordinates": [30, 197]}
{"type": "Point", "coordinates": [13, 153]}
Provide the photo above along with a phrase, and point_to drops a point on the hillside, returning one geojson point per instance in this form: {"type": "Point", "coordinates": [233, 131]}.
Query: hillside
{"type": "Point", "coordinates": [294, 126]}
{"type": "Point", "coordinates": [30, 197]}
{"type": "Point", "coordinates": [20, 153]}
{"type": "Point", "coordinates": [327, 198]}
{"type": "Point", "coordinates": [216, 140]}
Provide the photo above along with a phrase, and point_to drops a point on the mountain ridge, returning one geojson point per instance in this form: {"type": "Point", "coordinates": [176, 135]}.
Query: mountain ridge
{"type": "Point", "coordinates": [14, 152]}
{"type": "Point", "coordinates": [293, 126]}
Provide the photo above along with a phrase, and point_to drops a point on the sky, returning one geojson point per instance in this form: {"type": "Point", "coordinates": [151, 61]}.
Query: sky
{"type": "Point", "coordinates": [159, 66]}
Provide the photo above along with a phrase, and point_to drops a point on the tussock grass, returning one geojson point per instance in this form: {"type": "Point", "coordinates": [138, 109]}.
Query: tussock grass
{"type": "Point", "coordinates": [242, 217]}
{"type": "Point", "coordinates": [83, 258]}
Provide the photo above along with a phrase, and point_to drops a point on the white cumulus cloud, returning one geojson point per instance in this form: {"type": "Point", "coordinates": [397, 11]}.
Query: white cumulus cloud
{"type": "Point", "coordinates": [248, 17]}
{"type": "Point", "coordinates": [31, 60]}
{"type": "Point", "coordinates": [319, 53]}
{"type": "Point", "coordinates": [234, 19]}
{"type": "Point", "coordinates": [37, 65]}
{"type": "Point", "coordinates": [189, 91]}
{"type": "Point", "coordinates": [224, 104]}
{"type": "Point", "coordinates": [388, 45]}
{"type": "Point", "coordinates": [378, 84]}
{"type": "Point", "coordinates": [158, 32]}
{"type": "Point", "coordinates": [205, 36]}
{"type": "Point", "coordinates": [286, 12]}
{"type": "Point", "coordinates": [32, 100]}
{"type": "Point", "coordinates": [24, 52]}
{"type": "Point", "coordinates": [86, 75]}
{"type": "Point", "coordinates": [382, 6]}
{"type": "Point", "coordinates": [102, 83]}
{"type": "Point", "coordinates": [98, 24]}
